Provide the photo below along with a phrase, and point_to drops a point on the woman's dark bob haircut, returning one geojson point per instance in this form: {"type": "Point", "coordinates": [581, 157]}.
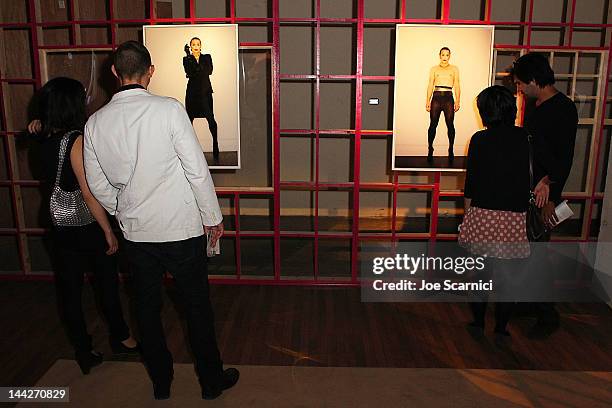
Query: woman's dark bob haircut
{"type": "Point", "coordinates": [497, 106]}
{"type": "Point", "coordinates": [62, 106]}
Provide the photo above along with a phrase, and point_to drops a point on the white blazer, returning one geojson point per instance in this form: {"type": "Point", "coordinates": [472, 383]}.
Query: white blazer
{"type": "Point", "coordinates": [144, 164]}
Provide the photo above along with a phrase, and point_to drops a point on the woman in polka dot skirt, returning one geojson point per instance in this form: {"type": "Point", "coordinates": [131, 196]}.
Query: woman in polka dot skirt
{"type": "Point", "coordinates": [496, 198]}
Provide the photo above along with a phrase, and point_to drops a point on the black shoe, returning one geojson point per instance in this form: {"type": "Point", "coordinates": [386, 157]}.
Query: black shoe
{"type": "Point", "coordinates": [161, 390]}
{"type": "Point", "coordinates": [216, 152]}
{"type": "Point", "coordinates": [120, 348]}
{"type": "Point", "coordinates": [451, 155]}
{"type": "Point", "coordinates": [229, 378]}
{"type": "Point", "coordinates": [88, 359]}
{"type": "Point", "coordinates": [430, 155]}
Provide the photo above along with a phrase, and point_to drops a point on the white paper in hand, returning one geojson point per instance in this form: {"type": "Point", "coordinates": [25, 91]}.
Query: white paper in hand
{"type": "Point", "coordinates": [563, 212]}
{"type": "Point", "coordinates": [212, 250]}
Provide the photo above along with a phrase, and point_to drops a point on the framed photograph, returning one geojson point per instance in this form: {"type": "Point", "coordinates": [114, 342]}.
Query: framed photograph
{"type": "Point", "coordinates": [197, 64]}
{"type": "Point", "coordinates": [439, 71]}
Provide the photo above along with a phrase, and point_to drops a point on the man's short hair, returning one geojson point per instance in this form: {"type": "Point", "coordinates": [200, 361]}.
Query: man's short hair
{"type": "Point", "coordinates": [131, 60]}
{"type": "Point", "coordinates": [497, 106]}
{"type": "Point", "coordinates": [444, 48]}
{"type": "Point", "coordinates": [533, 67]}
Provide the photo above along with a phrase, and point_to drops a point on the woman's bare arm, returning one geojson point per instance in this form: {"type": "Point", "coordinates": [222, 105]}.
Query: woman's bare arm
{"type": "Point", "coordinates": [96, 209]}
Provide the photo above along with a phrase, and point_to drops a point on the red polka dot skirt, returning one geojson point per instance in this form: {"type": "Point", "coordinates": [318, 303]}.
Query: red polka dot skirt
{"type": "Point", "coordinates": [495, 233]}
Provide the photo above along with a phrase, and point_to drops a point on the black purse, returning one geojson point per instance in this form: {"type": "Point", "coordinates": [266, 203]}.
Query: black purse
{"type": "Point", "coordinates": [536, 229]}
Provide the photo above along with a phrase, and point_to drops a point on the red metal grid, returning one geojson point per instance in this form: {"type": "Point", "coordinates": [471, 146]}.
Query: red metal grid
{"type": "Point", "coordinates": [355, 186]}
{"type": "Point", "coordinates": [357, 137]}
{"type": "Point", "coordinates": [71, 17]}
{"type": "Point", "coordinates": [9, 164]}
{"type": "Point", "coordinates": [571, 24]}
{"type": "Point", "coordinates": [317, 50]}
{"type": "Point", "coordinates": [276, 133]}
{"type": "Point", "coordinates": [237, 234]}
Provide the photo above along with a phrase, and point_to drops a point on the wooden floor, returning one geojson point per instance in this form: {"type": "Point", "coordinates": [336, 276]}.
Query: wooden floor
{"type": "Point", "coordinates": [310, 326]}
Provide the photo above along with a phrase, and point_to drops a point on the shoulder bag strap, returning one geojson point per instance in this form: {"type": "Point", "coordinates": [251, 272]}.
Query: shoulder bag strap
{"type": "Point", "coordinates": [62, 154]}
{"type": "Point", "coordinates": [529, 139]}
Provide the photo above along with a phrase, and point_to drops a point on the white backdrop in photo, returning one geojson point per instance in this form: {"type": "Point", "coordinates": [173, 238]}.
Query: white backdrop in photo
{"type": "Point", "coordinates": [166, 43]}
{"type": "Point", "coordinates": [417, 51]}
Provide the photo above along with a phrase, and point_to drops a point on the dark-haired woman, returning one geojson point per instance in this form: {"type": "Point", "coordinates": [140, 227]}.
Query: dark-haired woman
{"type": "Point", "coordinates": [198, 96]}
{"type": "Point", "coordinates": [496, 199]}
{"type": "Point", "coordinates": [82, 234]}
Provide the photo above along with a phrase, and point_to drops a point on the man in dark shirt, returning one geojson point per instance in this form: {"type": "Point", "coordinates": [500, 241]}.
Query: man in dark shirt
{"type": "Point", "coordinates": [551, 118]}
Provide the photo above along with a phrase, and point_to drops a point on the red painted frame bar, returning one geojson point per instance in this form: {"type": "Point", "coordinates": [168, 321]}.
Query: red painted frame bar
{"type": "Point", "coordinates": [237, 235]}
{"type": "Point", "coordinates": [34, 41]}
{"type": "Point", "coordinates": [340, 21]}
{"type": "Point", "coordinates": [529, 24]}
{"type": "Point", "coordinates": [152, 12]}
{"type": "Point", "coordinates": [315, 265]}
{"type": "Point", "coordinates": [62, 47]}
{"type": "Point", "coordinates": [446, 5]}
{"type": "Point", "coordinates": [394, 208]}
{"type": "Point", "coordinates": [571, 23]}
{"type": "Point", "coordinates": [550, 47]}
{"type": "Point", "coordinates": [357, 152]}
{"type": "Point", "coordinates": [71, 14]}
{"type": "Point", "coordinates": [11, 177]}
{"type": "Point", "coordinates": [276, 132]}
{"type": "Point", "coordinates": [19, 80]}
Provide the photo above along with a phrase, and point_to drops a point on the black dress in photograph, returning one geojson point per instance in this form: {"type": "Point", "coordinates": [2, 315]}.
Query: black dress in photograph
{"type": "Point", "coordinates": [198, 97]}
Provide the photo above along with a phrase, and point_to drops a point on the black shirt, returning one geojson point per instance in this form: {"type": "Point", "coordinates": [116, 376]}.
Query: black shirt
{"type": "Point", "coordinates": [553, 126]}
{"type": "Point", "coordinates": [50, 156]}
{"type": "Point", "coordinates": [498, 169]}
{"type": "Point", "coordinates": [87, 238]}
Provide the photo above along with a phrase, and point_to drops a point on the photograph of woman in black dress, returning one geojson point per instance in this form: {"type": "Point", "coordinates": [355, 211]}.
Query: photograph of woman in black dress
{"type": "Point", "coordinates": [198, 97]}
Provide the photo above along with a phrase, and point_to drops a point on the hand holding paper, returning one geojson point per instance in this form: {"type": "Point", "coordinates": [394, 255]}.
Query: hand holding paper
{"type": "Point", "coordinates": [563, 212]}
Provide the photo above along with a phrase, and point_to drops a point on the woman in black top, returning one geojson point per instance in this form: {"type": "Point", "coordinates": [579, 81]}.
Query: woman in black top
{"type": "Point", "coordinates": [62, 109]}
{"type": "Point", "coordinates": [198, 96]}
{"type": "Point", "coordinates": [496, 199]}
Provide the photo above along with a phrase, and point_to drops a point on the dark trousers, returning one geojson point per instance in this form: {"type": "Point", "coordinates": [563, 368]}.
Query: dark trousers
{"type": "Point", "coordinates": [545, 312]}
{"type": "Point", "coordinates": [186, 261]}
{"type": "Point", "coordinates": [442, 102]}
{"type": "Point", "coordinates": [503, 313]}
{"type": "Point", "coordinates": [71, 266]}
{"type": "Point", "coordinates": [207, 113]}
{"type": "Point", "coordinates": [508, 276]}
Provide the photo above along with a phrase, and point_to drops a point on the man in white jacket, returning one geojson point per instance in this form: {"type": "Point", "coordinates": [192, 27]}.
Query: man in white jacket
{"type": "Point", "coordinates": [145, 166]}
